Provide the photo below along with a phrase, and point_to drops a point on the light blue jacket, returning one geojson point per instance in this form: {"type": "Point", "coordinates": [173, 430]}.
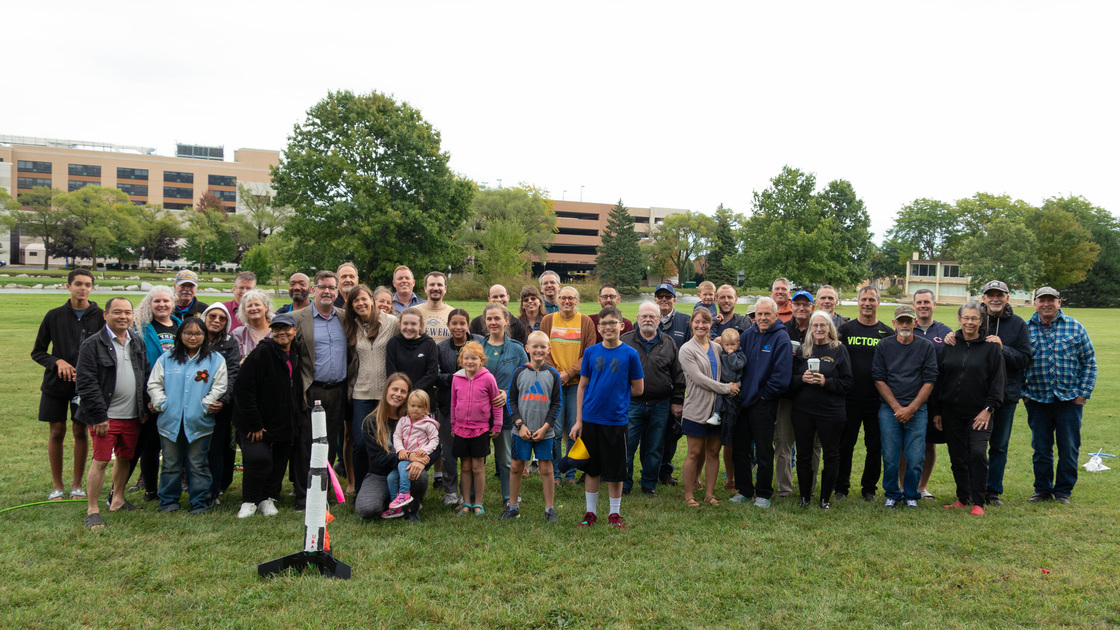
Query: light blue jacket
{"type": "Point", "coordinates": [182, 396]}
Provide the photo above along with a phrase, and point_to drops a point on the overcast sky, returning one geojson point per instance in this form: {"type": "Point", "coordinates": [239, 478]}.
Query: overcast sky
{"type": "Point", "coordinates": [680, 105]}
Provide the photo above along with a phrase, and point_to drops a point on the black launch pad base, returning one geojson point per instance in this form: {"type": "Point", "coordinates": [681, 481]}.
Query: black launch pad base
{"type": "Point", "coordinates": [327, 564]}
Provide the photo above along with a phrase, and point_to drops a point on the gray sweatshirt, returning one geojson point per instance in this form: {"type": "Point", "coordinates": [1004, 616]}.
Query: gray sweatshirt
{"type": "Point", "coordinates": [534, 397]}
{"type": "Point", "coordinates": [905, 367]}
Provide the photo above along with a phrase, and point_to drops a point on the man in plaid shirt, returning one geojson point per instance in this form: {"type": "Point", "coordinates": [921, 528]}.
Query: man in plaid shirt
{"type": "Point", "coordinates": [1058, 382]}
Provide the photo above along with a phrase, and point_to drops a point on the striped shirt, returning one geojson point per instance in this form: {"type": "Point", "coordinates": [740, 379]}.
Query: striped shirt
{"type": "Point", "coordinates": [1064, 365]}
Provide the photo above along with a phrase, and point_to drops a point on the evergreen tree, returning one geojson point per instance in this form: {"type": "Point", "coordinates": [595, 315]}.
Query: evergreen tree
{"type": "Point", "coordinates": [620, 259]}
{"type": "Point", "coordinates": [721, 267]}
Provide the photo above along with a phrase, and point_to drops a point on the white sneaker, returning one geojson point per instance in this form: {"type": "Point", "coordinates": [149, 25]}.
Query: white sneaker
{"type": "Point", "coordinates": [714, 420]}
{"type": "Point", "coordinates": [890, 503]}
{"type": "Point", "coordinates": [247, 510]}
{"type": "Point", "coordinates": [911, 503]}
{"type": "Point", "coordinates": [268, 508]}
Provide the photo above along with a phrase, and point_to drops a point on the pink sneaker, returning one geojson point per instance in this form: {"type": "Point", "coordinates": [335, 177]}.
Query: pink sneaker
{"type": "Point", "coordinates": [977, 510]}
{"type": "Point", "coordinates": [392, 513]}
{"type": "Point", "coordinates": [402, 499]}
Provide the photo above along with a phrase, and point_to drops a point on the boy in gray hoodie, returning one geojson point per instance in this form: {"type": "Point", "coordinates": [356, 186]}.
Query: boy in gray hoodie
{"type": "Point", "coordinates": [533, 403]}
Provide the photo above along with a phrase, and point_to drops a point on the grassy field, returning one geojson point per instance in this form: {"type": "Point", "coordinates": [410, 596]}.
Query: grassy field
{"type": "Point", "coordinates": [857, 566]}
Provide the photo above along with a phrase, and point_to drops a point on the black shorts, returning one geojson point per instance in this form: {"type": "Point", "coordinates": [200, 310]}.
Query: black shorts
{"type": "Point", "coordinates": [471, 447]}
{"type": "Point", "coordinates": [606, 446]}
{"type": "Point", "coordinates": [53, 409]}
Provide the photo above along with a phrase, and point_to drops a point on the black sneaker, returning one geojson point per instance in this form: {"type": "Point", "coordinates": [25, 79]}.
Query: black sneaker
{"type": "Point", "coordinates": [413, 517]}
{"type": "Point", "coordinates": [1039, 497]}
{"type": "Point", "coordinates": [649, 491]}
{"type": "Point", "coordinates": [994, 500]}
{"type": "Point", "coordinates": [1061, 498]}
{"type": "Point", "coordinates": [803, 503]}
{"type": "Point", "coordinates": [825, 505]}
{"type": "Point", "coordinates": [869, 497]}
{"type": "Point", "coordinates": [839, 496]}
{"type": "Point", "coordinates": [626, 491]}
{"type": "Point", "coordinates": [550, 515]}
{"type": "Point", "coordinates": [509, 513]}
{"type": "Point", "coordinates": [669, 481]}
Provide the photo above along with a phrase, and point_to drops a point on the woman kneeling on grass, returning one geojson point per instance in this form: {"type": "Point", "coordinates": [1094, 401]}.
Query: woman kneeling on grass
{"type": "Point", "coordinates": [415, 434]}
{"type": "Point", "coordinates": [269, 396]}
{"type": "Point", "coordinates": [185, 386]}
{"type": "Point", "coordinates": [373, 498]}
{"type": "Point", "coordinates": [970, 381]}
{"type": "Point", "coordinates": [475, 420]}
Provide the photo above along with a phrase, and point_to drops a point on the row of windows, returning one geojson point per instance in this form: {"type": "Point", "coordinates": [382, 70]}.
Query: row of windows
{"type": "Point", "coordinates": [132, 173]}
{"type": "Point", "coordinates": [226, 195]}
{"type": "Point", "coordinates": [33, 167]}
{"type": "Point", "coordinates": [85, 170]}
{"type": "Point", "coordinates": [587, 250]}
{"type": "Point", "coordinates": [73, 185]}
{"type": "Point", "coordinates": [136, 190]}
{"type": "Point", "coordinates": [925, 270]}
{"type": "Point", "coordinates": [178, 177]}
{"type": "Point", "coordinates": [564, 214]}
{"type": "Point", "coordinates": [175, 192]}
{"type": "Point", "coordinates": [223, 180]}
{"type": "Point", "coordinates": [177, 206]}
{"type": "Point", "coordinates": [577, 231]}
{"type": "Point", "coordinates": [32, 182]}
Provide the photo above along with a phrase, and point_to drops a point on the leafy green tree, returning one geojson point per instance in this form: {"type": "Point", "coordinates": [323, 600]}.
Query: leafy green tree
{"type": "Point", "coordinates": [507, 224]}
{"type": "Point", "coordinates": [620, 260]}
{"type": "Point", "coordinates": [102, 218]}
{"type": "Point", "coordinates": [889, 259]}
{"type": "Point", "coordinates": [367, 181]}
{"type": "Point", "coordinates": [259, 261]}
{"type": "Point", "coordinates": [681, 238]}
{"type": "Point", "coordinates": [929, 227]}
{"type": "Point", "coordinates": [796, 233]}
{"type": "Point", "coordinates": [1101, 286]}
{"type": "Point", "coordinates": [260, 212]}
{"type": "Point", "coordinates": [1003, 250]}
{"type": "Point", "coordinates": [43, 220]}
{"type": "Point", "coordinates": [158, 235]}
{"type": "Point", "coordinates": [725, 246]}
{"type": "Point", "coordinates": [980, 209]}
{"type": "Point", "coordinates": [1065, 246]}
{"type": "Point", "coordinates": [208, 238]}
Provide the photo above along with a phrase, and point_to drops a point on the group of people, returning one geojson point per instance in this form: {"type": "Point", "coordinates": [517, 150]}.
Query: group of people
{"type": "Point", "coordinates": [413, 388]}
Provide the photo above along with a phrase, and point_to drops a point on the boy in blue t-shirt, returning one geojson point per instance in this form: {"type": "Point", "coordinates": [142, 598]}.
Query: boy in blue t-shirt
{"type": "Point", "coordinates": [609, 374]}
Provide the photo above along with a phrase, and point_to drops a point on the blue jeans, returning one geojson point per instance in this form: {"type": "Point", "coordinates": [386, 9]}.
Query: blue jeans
{"type": "Point", "coordinates": [195, 456]}
{"type": "Point", "coordinates": [1050, 422]}
{"type": "Point", "coordinates": [398, 480]}
{"type": "Point", "coordinates": [646, 424]}
{"type": "Point", "coordinates": [997, 448]}
{"type": "Point", "coordinates": [361, 409]}
{"type": "Point", "coordinates": [898, 439]}
{"type": "Point", "coordinates": [567, 421]}
{"type": "Point", "coordinates": [503, 447]}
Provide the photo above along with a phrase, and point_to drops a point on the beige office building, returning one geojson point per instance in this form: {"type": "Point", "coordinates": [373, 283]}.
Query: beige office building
{"type": "Point", "coordinates": [579, 229]}
{"type": "Point", "coordinates": [176, 183]}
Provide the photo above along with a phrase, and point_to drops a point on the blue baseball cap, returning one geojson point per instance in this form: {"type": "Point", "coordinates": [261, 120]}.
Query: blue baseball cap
{"type": "Point", "coordinates": [665, 286]}
{"type": "Point", "coordinates": [803, 294]}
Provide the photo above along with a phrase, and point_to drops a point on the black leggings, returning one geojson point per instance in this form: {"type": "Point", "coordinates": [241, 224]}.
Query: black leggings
{"type": "Point", "coordinates": [968, 455]}
{"type": "Point", "coordinates": [264, 465]}
{"type": "Point", "coordinates": [805, 428]}
{"type": "Point", "coordinates": [755, 423]}
{"type": "Point", "coordinates": [864, 413]}
{"type": "Point", "coordinates": [148, 446]}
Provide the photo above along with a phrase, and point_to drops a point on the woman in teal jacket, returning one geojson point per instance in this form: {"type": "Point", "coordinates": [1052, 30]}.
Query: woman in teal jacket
{"type": "Point", "coordinates": [184, 386]}
{"type": "Point", "coordinates": [155, 321]}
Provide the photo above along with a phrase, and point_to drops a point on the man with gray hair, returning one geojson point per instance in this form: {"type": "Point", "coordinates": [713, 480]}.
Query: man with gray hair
{"type": "Point", "coordinates": [663, 394]}
{"type": "Point", "coordinates": [550, 289]}
{"type": "Point", "coordinates": [244, 281]}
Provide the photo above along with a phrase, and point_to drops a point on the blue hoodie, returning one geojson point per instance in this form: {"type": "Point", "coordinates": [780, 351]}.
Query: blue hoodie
{"type": "Point", "coordinates": [769, 363]}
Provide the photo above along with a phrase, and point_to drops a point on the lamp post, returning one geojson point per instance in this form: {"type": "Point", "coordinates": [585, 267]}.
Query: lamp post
{"type": "Point", "coordinates": [581, 194]}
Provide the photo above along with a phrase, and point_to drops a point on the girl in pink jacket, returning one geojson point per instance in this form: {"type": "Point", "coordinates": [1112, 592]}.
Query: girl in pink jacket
{"type": "Point", "coordinates": [474, 421]}
{"type": "Point", "coordinates": [415, 433]}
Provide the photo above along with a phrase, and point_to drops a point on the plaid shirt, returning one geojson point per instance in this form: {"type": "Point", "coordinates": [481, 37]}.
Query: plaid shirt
{"type": "Point", "coordinates": [1064, 365]}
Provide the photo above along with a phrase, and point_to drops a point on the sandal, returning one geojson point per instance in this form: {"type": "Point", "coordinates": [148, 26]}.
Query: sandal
{"type": "Point", "coordinates": [93, 521]}
{"type": "Point", "coordinates": [464, 509]}
{"type": "Point", "coordinates": [128, 507]}
{"type": "Point", "coordinates": [56, 495]}
{"type": "Point", "coordinates": [479, 510]}
{"type": "Point", "coordinates": [78, 493]}
{"type": "Point", "coordinates": [691, 502]}
{"type": "Point", "coordinates": [712, 501]}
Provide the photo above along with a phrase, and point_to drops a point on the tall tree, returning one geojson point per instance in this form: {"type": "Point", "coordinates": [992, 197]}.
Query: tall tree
{"type": "Point", "coordinates": [102, 218]}
{"type": "Point", "coordinates": [620, 259]}
{"type": "Point", "coordinates": [209, 238]}
{"type": "Point", "coordinates": [507, 224]}
{"type": "Point", "coordinates": [158, 234]}
{"type": "Point", "coordinates": [889, 259]}
{"type": "Point", "coordinates": [929, 227]}
{"type": "Point", "coordinates": [1065, 246]}
{"type": "Point", "coordinates": [367, 181]}
{"type": "Point", "coordinates": [796, 233]}
{"type": "Point", "coordinates": [681, 238]}
{"type": "Point", "coordinates": [725, 246]}
{"type": "Point", "coordinates": [260, 211]}
{"type": "Point", "coordinates": [43, 220]}
{"type": "Point", "coordinates": [974, 212]}
{"type": "Point", "coordinates": [1003, 250]}
{"type": "Point", "coordinates": [1101, 286]}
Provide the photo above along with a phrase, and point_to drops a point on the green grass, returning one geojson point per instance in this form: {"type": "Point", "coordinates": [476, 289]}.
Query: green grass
{"type": "Point", "coordinates": [857, 566]}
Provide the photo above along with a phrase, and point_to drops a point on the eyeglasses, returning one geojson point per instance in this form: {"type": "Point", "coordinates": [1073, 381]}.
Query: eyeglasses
{"type": "Point", "coordinates": [970, 319]}
{"type": "Point", "coordinates": [193, 333]}
{"type": "Point", "coordinates": [326, 288]}
{"type": "Point", "coordinates": [662, 297]}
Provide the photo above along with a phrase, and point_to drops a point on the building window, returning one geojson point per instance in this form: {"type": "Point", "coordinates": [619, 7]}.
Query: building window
{"type": "Point", "coordinates": [225, 195]}
{"type": "Point", "coordinates": [32, 182]}
{"type": "Point", "coordinates": [577, 232]}
{"type": "Point", "coordinates": [73, 185]}
{"type": "Point", "coordinates": [178, 178]}
{"type": "Point", "coordinates": [585, 250]}
{"type": "Point", "coordinates": [132, 173]}
{"type": "Point", "coordinates": [222, 180]}
{"type": "Point", "coordinates": [950, 271]}
{"type": "Point", "coordinates": [564, 214]}
{"type": "Point", "coordinates": [136, 190]}
{"type": "Point", "coordinates": [85, 170]}
{"type": "Point", "coordinates": [642, 220]}
{"type": "Point", "coordinates": [24, 166]}
{"type": "Point", "coordinates": [174, 192]}
{"type": "Point", "coordinates": [176, 206]}
{"type": "Point", "coordinates": [923, 270]}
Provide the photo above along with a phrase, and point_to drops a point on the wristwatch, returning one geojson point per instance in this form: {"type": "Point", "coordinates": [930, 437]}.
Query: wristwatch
{"type": "Point", "coordinates": [990, 409]}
